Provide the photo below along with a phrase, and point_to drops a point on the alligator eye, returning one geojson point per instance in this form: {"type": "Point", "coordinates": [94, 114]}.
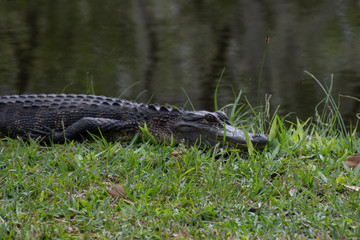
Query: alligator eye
{"type": "Point", "coordinates": [211, 118]}
{"type": "Point", "coordinates": [222, 115]}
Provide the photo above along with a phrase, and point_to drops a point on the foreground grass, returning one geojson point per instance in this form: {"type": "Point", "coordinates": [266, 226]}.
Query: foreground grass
{"type": "Point", "coordinates": [294, 189]}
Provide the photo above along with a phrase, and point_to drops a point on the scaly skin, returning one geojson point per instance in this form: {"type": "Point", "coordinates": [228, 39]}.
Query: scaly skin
{"type": "Point", "coordinates": [70, 116]}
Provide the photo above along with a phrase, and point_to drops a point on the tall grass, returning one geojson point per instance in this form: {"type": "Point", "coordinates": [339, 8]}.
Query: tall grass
{"type": "Point", "coordinates": [216, 90]}
{"type": "Point", "coordinates": [329, 105]}
{"type": "Point", "coordinates": [267, 41]}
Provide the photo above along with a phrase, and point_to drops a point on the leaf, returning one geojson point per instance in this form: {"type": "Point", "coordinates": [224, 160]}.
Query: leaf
{"type": "Point", "coordinates": [292, 192]}
{"type": "Point", "coordinates": [352, 161]}
{"type": "Point", "coordinates": [352, 187]}
{"type": "Point", "coordinates": [191, 169]}
{"type": "Point", "coordinates": [273, 128]}
{"type": "Point", "coordinates": [117, 192]}
{"type": "Point", "coordinates": [249, 144]}
{"type": "Point", "coordinates": [147, 133]}
{"type": "Point", "coordinates": [178, 153]}
{"type": "Point", "coordinates": [322, 176]}
{"type": "Point", "coordinates": [340, 179]}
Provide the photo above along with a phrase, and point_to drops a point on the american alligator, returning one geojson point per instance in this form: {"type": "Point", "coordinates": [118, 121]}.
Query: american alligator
{"type": "Point", "coordinates": [70, 116]}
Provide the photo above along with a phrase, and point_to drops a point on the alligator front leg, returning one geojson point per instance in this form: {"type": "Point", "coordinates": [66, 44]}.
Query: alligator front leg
{"type": "Point", "coordinates": [84, 126]}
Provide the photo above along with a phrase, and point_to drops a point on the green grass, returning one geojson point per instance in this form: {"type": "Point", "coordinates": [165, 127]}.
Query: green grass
{"type": "Point", "coordinates": [293, 189]}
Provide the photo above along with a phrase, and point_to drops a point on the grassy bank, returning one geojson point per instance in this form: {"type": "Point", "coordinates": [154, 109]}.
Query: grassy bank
{"type": "Point", "coordinates": [298, 187]}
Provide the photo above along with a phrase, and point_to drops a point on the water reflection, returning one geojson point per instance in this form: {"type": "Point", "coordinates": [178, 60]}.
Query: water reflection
{"type": "Point", "coordinates": [159, 48]}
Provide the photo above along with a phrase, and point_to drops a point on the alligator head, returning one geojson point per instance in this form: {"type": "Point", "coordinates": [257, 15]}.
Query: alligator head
{"type": "Point", "coordinates": [212, 127]}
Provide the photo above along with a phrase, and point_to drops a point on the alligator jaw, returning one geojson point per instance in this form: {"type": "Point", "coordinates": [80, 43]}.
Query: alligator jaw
{"type": "Point", "coordinates": [236, 137]}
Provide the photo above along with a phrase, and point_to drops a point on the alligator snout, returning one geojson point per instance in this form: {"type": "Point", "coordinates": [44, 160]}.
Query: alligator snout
{"type": "Point", "coordinates": [237, 137]}
{"type": "Point", "coordinates": [259, 140]}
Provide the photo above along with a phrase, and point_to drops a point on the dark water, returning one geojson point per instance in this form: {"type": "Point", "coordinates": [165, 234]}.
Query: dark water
{"type": "Point", "coordinates": [157, 50]}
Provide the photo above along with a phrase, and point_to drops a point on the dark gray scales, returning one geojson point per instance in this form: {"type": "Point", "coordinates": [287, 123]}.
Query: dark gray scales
{"type": "Point", "coordinates": [70, 116]}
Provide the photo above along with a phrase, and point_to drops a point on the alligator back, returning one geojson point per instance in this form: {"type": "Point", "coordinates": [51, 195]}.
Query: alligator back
{"type": "Point", "coordinates": [23, 114]}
